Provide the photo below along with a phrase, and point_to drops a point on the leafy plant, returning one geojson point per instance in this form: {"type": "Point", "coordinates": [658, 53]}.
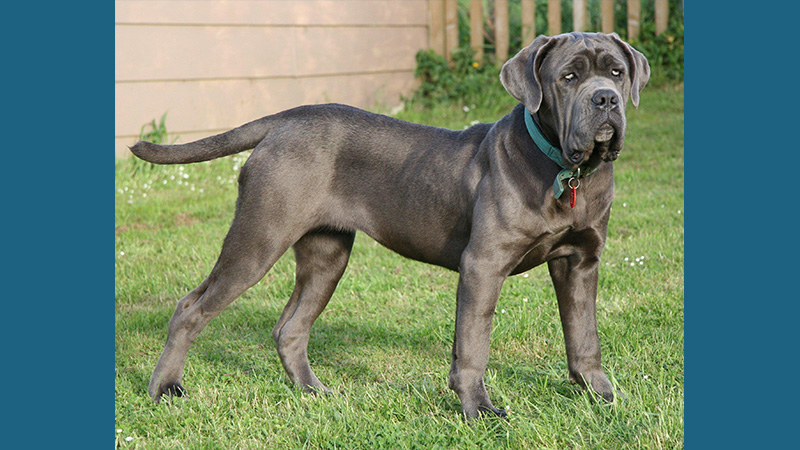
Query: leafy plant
{"type": "Point", "coordinates": [665, 51]}
{"type": "Point", "coordinates": [464, 81]}
{"type": "Point", "coordinates": [155, 133]}
{"type": "Point", "coordinates": [467, 81]}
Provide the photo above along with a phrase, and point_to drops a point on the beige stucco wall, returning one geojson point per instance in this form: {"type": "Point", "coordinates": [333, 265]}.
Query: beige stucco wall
{"type": "Point", "coordinates": [213, 65]}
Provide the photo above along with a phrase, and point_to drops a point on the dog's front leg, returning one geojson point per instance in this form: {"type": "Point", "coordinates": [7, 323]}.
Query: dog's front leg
{"type": "Point", "coordinates": [478, 289]}
{"type": "Point", "coordinates": [575, 281]}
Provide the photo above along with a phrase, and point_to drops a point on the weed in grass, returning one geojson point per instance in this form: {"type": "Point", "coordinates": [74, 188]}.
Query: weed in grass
{"type": "Point", "coordinates": [155, 133]}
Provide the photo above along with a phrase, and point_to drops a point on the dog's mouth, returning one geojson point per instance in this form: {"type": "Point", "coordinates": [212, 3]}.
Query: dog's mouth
{"type": "Point", "coordinates": [609, 147]}
{"type": "Point", "coordinates": [604, 133]}
{"type": "Point", "coordinates": [598, 147]}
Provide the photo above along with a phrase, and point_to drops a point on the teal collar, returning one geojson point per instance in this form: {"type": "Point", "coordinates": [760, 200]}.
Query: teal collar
{"type": "Point", "coordinates": [554, 153]}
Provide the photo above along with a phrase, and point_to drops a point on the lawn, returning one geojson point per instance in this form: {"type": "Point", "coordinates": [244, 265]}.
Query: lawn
{"type": "Point", "coordinates": [383, 344]}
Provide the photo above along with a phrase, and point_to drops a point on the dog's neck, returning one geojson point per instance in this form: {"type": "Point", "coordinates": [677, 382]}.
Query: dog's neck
{"type": "Point", "coordinates": [554, 153]}
{"type": "Point", "coordinates": [548, 131]}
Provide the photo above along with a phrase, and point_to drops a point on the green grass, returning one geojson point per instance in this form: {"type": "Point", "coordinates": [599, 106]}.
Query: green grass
{"type": "Point", "coordinates": [384, 341]}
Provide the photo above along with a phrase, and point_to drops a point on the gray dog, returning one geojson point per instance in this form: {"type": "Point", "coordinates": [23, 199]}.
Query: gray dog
{"type": "Point", "coordinates": [486, 202]}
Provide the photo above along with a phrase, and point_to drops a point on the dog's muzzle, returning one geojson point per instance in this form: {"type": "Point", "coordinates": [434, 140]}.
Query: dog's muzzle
{"type": "Point", "coordinates": [605, 99]}
{"type": "Point", "coordinates": [604, 133]}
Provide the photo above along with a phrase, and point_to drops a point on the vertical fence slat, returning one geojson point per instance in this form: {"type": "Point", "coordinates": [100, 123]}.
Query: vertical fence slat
{"type": "Point", "coordinates": [476, 28]}
{"type": "Point", "coordinates": [634, 17]}
{"type": "Point", "coordinates": [436, 26]}
{"type": "Point", "coordinates": [450, 27]}
{"type": "Point", "coordinates": [501, 30]}
{"type": "Point", "coordinates": [607, 15]}
{"type": "Point", "coordinates": [528, 21]}
{"type": "Point", "coordinates": [553, 17]}
{"type": "Point", "coordinates": [662, 14]}
{"type": "Point", "coordinates": [443, 29]}
{"type": "Point", "coordinates": [579, 15]}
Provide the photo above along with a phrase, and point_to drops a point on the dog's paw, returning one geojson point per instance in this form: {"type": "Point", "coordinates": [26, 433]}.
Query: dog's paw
{"type": "Point", "coordinates": [492, 411]}
{"type": "Point", "coordinates": [168, 389]}
{"type": "Point", "coordinates": [319, 390]}
{"type": "Point", "coordinates": [472, 412]}
{"type": "Point", "coordinates": [597, 386]}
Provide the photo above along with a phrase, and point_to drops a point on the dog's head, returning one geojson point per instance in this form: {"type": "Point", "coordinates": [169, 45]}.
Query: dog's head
{"type": "Point", "coordinates": [579, 83]}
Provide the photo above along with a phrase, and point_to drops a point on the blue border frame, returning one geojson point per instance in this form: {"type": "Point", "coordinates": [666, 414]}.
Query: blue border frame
{"type": "Point", "coordinates": [58, 291]}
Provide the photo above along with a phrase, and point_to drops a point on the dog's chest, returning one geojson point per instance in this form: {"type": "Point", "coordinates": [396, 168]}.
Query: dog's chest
{"type": "Point", "coordinates": [564, 242]}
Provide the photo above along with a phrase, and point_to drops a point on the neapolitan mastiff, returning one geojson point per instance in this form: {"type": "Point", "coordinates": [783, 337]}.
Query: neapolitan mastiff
{"type": "Point", "coordinates": [486, 202]}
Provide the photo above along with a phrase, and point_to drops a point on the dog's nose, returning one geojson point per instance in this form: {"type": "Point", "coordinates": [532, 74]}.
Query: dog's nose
{"type": "Point", "coordinates": [605, 99]}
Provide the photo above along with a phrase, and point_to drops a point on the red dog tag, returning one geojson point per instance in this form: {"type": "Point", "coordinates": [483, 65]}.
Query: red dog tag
{"type": "Point", "coordinates": [573, 192]}
{"type": "Point", "coordinates": [572, 197]}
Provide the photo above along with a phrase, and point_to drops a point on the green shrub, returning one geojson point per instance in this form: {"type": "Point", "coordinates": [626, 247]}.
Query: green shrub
{"type": "Point", "coordinates": [665, 51]}
{"type": "Point", "coordinates": [150, 132]}
{"type": "Point", "coordinates": [465, 80]}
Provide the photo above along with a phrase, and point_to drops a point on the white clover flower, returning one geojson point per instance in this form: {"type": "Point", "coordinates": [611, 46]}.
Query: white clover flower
{"type": "Point", "coordinates": [503, 311]}
{"type": "Point", "coordinates": [466, 108]}
{"type": "Point", "coordinates": [119, 430]}
{"type": "Point", "coordinates": [121, 253]}
{"type": "Point", "coordinates": [129, 438]}
{"type": "Point", "coordinates": [525, 299]}
{"type": "Point", "coordinates": [524, 275]}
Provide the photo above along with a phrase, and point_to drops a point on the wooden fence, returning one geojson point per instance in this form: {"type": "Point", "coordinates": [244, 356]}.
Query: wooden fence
{"type": "Point", "coordinates": [443, 30]}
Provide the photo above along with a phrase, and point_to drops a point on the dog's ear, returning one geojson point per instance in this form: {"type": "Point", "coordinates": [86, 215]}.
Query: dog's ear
{"type": "Point", "coordinates": [639, 68]}
{"type": "Point", "coordinates": [520, 74]}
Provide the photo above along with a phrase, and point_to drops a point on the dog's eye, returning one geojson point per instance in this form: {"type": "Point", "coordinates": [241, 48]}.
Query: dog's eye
{"type": "Point", "coordinates": [569, 77]}
{"type": "Point", "coordinates": [616, 72]}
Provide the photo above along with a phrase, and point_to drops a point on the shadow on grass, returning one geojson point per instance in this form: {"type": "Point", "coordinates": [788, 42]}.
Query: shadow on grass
{"type": "Point", "coordinates": [240, 342]}
{"type": "Point", "coordinates": [343, 349]}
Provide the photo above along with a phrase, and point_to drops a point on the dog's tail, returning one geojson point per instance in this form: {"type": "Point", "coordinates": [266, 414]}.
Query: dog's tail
{"type": "Point", "coordinates": [236, 140]}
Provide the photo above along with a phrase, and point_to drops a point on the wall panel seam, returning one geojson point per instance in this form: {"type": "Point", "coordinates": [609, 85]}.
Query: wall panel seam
{"type": "Point", "coordinates": [268, 77]}
{"type": "Point", "coordinates": [236, 25]}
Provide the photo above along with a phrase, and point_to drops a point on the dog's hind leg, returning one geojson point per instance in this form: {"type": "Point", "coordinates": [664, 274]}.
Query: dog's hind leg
{"type": "Point", "coordinates": [254, 242]}
{"type": "Point", "coordinates": [321, 260]}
